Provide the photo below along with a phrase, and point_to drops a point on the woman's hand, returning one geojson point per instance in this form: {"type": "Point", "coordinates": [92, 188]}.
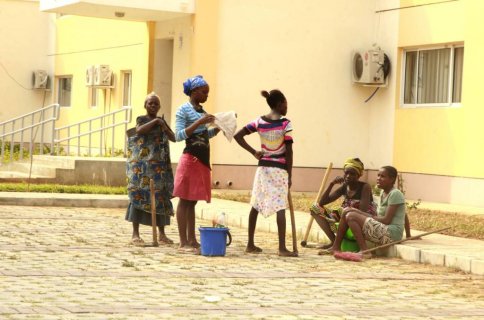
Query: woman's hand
{"type": "Point", "coordinates": [163, 125]}
{"type": "Point", "coordinates": [348, 209]}
{"type": "Point", "coordinates": [207, 118]}
{"type": "Point", "coordinates": [338, 180]}
{"type": "Point", "coordinates": [258, 154]}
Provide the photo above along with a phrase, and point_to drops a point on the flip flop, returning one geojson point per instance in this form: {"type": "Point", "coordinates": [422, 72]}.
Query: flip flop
{"type": "Point", "coordinates": [189, 250]}
{"type": "Point", "coordinates": [326, 246]}
{"type": "Point", "coordinates": [287, 254]}
{"type": "Point", "coordinates": [137, 242]}
{"type": "Point", "coordinates": [325, 252]}
{"type": "Point", "coordinates": [253, 250]}
{"type": "Point", "coordinates": [165, 240]}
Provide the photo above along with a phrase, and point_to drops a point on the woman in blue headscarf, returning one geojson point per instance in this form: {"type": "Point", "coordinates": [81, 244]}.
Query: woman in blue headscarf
{"type": "Point", "coordinates": [192, 178]}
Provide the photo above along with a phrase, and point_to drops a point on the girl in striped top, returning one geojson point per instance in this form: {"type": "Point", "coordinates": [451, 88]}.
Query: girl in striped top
{"type": "Point", "coordinates": [192, 177]}
{"type": "Point", "coordinates": [273, 176]}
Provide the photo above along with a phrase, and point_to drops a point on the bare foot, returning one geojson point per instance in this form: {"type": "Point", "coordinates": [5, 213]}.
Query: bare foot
{"type": "Point", "coordinates": [163, 239]}
{"type": "Point", "coordinates": [253, 249]}
{"type": "Point", "coordinates": [287, 253]}
{"type": "Point", "coordinates": [194, 244]}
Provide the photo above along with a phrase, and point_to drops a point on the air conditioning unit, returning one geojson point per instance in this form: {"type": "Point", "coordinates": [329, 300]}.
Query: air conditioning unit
{"type": "Point", "coordinates": [90, 75]}
{"type": "Point", "coordinates": [40, 79]}
{"type": "Point", "coordinates": [370, 67]}
{"type": "Point", "coordinates": [102, 75]}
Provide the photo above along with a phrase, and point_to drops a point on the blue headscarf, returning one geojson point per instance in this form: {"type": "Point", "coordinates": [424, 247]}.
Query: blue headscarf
{"type": "Point", "coordinates": [192, 83]}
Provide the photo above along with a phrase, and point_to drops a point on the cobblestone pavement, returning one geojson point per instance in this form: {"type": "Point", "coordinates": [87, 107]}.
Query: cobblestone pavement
{"type": "Point", "coordinates": [75, 263]}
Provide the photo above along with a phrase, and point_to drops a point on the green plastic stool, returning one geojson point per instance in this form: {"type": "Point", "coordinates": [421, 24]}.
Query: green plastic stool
{"type": "Point", "coordinates": [349, 243]}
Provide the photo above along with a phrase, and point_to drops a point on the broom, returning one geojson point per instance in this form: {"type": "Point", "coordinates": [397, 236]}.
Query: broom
{"type": "Point", "coordinates": [153, 213]}
{"type": "Point", "coordinates": [318, 198]}
{"type": "Point", "coordinates": [293, 224]}
{"type": "Point", "coordinates": [358, 256]}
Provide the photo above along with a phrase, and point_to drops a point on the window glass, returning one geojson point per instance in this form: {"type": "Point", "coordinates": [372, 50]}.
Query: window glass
{"type": "Point", "coordinates": [126, 88]}
{"type": "Point", "coordinates": [410, 89]}
{"type": "Point", "coordinates": [458, 67]}
{"type": "Point", "coordinates": [64, 91]}
{"type": "Point", "coordinates": [433, 76]}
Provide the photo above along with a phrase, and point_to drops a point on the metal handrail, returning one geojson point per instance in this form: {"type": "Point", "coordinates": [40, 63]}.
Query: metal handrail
{"type": "Point", "coordinates": [12, 134]}
{"type": "Point", "coordinates": [107, 125]}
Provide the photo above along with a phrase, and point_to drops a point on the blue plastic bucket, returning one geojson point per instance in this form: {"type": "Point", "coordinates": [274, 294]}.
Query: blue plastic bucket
{"type": "Point", "coordinates": [213, 241]}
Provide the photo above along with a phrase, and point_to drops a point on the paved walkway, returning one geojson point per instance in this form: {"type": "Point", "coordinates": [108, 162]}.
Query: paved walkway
{"type": "Point", "coordinates": [75, 263]}
{"type": "Point", "coordinates": [459, 253]}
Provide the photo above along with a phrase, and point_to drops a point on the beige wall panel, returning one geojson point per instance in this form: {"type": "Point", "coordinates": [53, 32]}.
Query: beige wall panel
{"type": "Point", "coordinates": [305, 49]}
{"type": "Point", "coordinates": [27, 39]}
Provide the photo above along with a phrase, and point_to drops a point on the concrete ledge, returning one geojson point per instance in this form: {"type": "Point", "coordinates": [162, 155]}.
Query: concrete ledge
{"type": "Point", "coordinates": [460, 263]}
{"type": "Point", "coordinates": [430, 257]}
{"type": "Point", "coordinates": [63, 200]}
{"type": "Point", "coordinates": [477, 267]}
{"type": "Point", "coordinates": [407, 253]}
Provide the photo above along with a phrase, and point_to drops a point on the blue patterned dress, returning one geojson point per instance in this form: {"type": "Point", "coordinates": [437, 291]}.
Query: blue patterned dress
{"type": "Point", "coordinates": [149, 158]}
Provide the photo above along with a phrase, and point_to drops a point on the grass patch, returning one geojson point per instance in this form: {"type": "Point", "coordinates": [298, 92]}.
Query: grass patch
{"type": "Point", "coordinates": [462, 225]}
{"type": "Point", "coordinates": [55, 188]}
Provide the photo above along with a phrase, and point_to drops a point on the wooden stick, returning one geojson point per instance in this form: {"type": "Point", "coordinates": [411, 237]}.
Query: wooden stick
{"type": "Point", "coordinates": [318, 198]}
{"type": "Point", "coordinates": [153, 212]}
{"type": "Point", "coordinates": [293, 224]}
{"type": "Point", "coordinates": [403, 240]}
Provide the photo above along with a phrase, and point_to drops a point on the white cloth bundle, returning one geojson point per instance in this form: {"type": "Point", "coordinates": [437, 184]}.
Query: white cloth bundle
{"type": "Point", "coordinates": [227, 122]}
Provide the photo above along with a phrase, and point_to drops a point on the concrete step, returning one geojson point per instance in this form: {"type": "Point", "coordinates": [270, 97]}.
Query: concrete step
{"type": "Point", "coordinates": [55, 161]}
{"type": "Point", "coordinates": [67, 170]}
{"type": "Point", "coordinates": [20, 175]}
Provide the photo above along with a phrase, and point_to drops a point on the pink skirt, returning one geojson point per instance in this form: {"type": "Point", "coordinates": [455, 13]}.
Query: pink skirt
{"type": "Point", "coordinates": [192, 179]}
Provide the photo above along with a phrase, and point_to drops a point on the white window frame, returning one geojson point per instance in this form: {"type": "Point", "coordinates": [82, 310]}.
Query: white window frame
{"type": "Point", "coordinates": [130, 87]}
{"type": "Point", "coordinates": [449, 102]}
{"type": "Point", "coordinates": [58, 82]}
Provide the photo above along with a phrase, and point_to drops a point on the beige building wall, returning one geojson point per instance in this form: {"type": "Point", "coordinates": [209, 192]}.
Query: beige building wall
{"type": "Point", "coordinates": [438, 147]}
{"type": "Point", "coordinates": [304, 49]}
{"type": "Point", "coordinates": [27, 40]}
{"type": "Point", "coordinates": [124, 46]}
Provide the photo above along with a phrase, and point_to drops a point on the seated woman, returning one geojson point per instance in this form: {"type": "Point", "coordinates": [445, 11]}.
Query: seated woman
{"type": "Point", "coordinates": [357, 194]}
{"type": "Point", "coordinates": [384, 228]}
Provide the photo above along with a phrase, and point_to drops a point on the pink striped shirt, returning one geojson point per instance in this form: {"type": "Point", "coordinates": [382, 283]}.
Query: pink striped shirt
{"type": "Point", "coordinates": [274, 135]}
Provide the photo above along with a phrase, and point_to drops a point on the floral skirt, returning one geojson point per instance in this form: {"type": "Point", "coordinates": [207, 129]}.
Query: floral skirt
{"type": "Point", "coordinates": [192, 179]}
{"type": "Point", "coordinates": [142, 217]}
{"type": "Point", "coordinates": [269, 192]}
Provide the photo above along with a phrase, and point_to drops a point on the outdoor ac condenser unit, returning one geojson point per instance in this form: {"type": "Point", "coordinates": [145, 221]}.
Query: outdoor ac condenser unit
{"type": "Point", "coordinates": [370, 67]}
{"type": "Point", "coordinates": [40, 79]}
{"type": "Point", "coordinates": [90, 76]}
{"type": "Point", "coordinates": [102, 75]}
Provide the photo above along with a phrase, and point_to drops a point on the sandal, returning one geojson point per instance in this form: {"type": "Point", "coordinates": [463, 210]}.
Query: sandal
{"type": "Point", "coordinates": [325, 252]}
{"type": "Point", "coordinates": [253, 250]}
{"type": "Point", "coordinates": [287, 253]}
{"type": "Point", "coordinates": [189, 250]}
{"type": "Point", "coordinates": [165, 240]}
{"type": "Point", "coordinates": [137, 242]}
